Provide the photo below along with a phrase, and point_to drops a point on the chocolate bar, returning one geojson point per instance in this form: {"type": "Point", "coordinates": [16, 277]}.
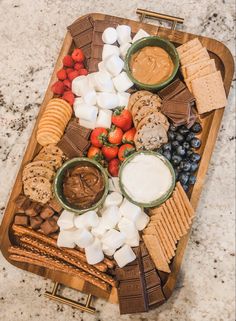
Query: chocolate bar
{"type": "Point", "coordinates": [172, 90]}
{"type": "Point", "coordinates": [82, 131]}
{"type": "Point", "coordinates": [68, 148]}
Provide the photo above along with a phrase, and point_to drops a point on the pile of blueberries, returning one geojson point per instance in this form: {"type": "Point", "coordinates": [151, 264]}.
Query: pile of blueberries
{"type": "Point", "coordinates": [181, 152]}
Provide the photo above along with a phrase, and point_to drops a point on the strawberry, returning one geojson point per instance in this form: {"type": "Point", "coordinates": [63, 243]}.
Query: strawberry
{"type": "Point", "coordinates": [122, 118]}
{"type": "Point", "coordinates": [69, 70]}
{"type": "Point", "coordinates": [67, 84]}
{"type": "Point", "coordinates": [78, 66]}
{"type": "Point", "coordinates": [110, 152]}
{"type": "Point", "coordinates": [78, 55]}
{"type": "Point", "coordinates": [115, 135]}
{"type": "Point", "coordinates": [58, 87]}
{"type": "Point", "coordinates": [83, 72]}
{"type": "Point", "coordinates": [95, 153]}
{"type": "Point", "coordinates": [113, 167]}
{"type": "Point", "coordinates": [68, 61]}
{"type": "Point", "coordinates": [128, 136]}
{"type": "Point", "coordinates": [125, 150]}
{"type": "Point", "coordinates": [61, 74]}
{"type": "Point", "coordinates": [69, 97]}
{"type": "Point", "coordinates": [98, 136]}
{"type": "Point", "coordinates": [73, 74]}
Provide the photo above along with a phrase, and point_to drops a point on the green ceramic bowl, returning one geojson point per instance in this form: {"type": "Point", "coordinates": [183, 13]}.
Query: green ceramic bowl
{"type": "Point", "coordinates": [161, 199]}
{"type": "Point", "coordinates": [152, 41]}
{"type": "Point", "coordinates": [58, 183]}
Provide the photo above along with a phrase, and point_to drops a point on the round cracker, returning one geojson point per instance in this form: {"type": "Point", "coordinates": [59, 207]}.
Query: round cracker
{"type": "Point", "coordinates": [49, 119]}
{"type": "Point", "coordinates": [134, 97]}
{"type": "Point", "coordinates": [59, 111]}
{"type": "Point", "coordinates": [47, 138]}
{"type": "Point", "coordinates": [57, 102]}
{"type": "Point", "coordinates": [148, 100]}
{"type": "Point", "coordinates": [52, 128]}
{"type": "Point", "coordinates": [154, 118]}
{"type": "Point", "coordinates": [36, 171]}
{"type": "Point", "coordinates": [38, 189]}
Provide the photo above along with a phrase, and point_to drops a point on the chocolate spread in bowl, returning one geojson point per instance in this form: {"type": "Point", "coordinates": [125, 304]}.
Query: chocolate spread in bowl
{"type": "Point", "coordinates": [151, 65]}
{"type": "Point", "coordinates": [83, 186]}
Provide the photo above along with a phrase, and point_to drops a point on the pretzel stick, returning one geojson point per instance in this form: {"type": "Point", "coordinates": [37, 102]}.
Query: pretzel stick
{"type": "Point", "coordinates": [24, 231]}
{"type": "Point", "coordinates": [59, 265]}
{"type": "Point", "coordinates": [58, 253]}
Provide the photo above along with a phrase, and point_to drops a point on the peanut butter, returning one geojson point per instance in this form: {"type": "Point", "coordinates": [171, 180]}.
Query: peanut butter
{"type": "Point", "coordinates": [151, 65]}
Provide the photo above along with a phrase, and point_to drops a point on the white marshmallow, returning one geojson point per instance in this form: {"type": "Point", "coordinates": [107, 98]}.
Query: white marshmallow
{"type": "Point", "coordinates": [113, 239]}
{"type": "Point", "coordinates": [78, 101]}
{"type": "Point", "coordinates": [101, 66]}
{"type": "Point", "coordinates": [123, 34]}
{"type": "Point", "coordinates": [104, 118]}
{"type": "Point", "coordinates": [99, 230]}
{"type": "Point", "coordinates": [140, 34]}
{"type": "Point", "coordinates": [123, 98]}
{"type": "Point", "coordinates": [103, 82]}
{"type": "Point", "coordinates": [130, 231]}
{"type": "Point", "coordinates": [65, 238]}
{"type": "Point", "coordinates": [124, 256]}
{"type": "Point", "coordinates": [109, 35]}
{"type": "Point", "coordinates": [142, 221]}
{"type": "Point", "coordinates": [122, 82]}
{"type": "Point", "coordinates": [94, 253]}
{"type": "Point", "coordinates": [66, 220]}
{"type": "Point", "coordinates": [110, 217]}
{"type": "Point", "coordinates": [108, 250]}
{"type": "Point", "coordinates": [86, 112]}
{"type": "Point", "coordinates": [114, 65]}
{"type": "Point", "coordinates": [87, 123]}
{"type": "Point", "coordinates": [86, 220]}
{"type": "Point", "coordinates": [91, 80]}
{"type": "Point", "coordinates": [107, 100]}
{"type": "Point", "coordinates": [90, 98]}
{"type": "Point", "coordinates": [130, 210]}
{"type": "Point", "coordinates": [109, 50]}
{"type": "Point", "coordinates": [114, 185]}
{"type": "Point", "coordinates": [82, 238]}
{"type": "Point", "coordinates": [113, 199]}
{"type": "Point", "coordinates": [124, 48]}
{"type": "Point", "coordinates": [80, 85]}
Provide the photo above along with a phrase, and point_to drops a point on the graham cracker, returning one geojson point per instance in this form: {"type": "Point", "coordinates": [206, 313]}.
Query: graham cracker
{"type": "Point", "coordinates": [191, 50]}
{"type": "Point", "coordinates": [197, 69]}
{"type": "Point", "coordinates": [180, 201]}
{"type": "Point", "coordinates": [187, 45]}
{"type": "Point", "coordinates": [198, 55]}
{"type": "Point", "coordinates": [181, 211]}
{"type": "Point", "coordinates": [178, 216]}
{"type": "Point", "coordinates": [174, 219]}
{"type": "Point", "coordinates": [185, 199]}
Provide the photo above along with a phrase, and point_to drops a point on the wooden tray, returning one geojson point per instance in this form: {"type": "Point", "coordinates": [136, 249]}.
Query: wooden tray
{"type": "Point", "coordinates": [211, 123]}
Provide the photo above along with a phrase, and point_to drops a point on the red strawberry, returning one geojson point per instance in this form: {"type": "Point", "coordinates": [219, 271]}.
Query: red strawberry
{"type": "Point", "coordinates": [95, 153]}
{"type": "Point", "coordinates": [69, 97]}
{"type": "Point", "coordinates": [128, 136]}
{"type": "Point", "coordinates": [110, 152]}
{"type": "Point", "coordinates": [61, 74]}
{"type": "Point", "coordinates": [78, 55]}
{"type": "Point", "coordinates": [67, 84]}
{"type": "Point", "coordinates": [83, 72]}
{"type": "Point", "coordinates": [58, 87]}
{"type": "Point", "coordinates": [125, 150]}
{"type": "Point", "coordinates": [69, 70]}
{"type": "Point", "coordinates": [113, 167]}
{"type": "Point", "coordinates": [98, 136]}
{"type": "Point", "coordinates": [78, 66]}
{"type": "Point", "coordinates": [115, 135]}
{"type": "Point", "coordinates": [68, 61]}
{"type": "Point", "coordinates": [122, 118]}
{"type": "Point", "coordinates": [72, 75]}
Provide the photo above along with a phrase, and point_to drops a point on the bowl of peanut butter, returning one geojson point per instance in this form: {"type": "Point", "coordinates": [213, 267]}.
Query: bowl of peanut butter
{"type": "Point", "coordinates": [152, 63]}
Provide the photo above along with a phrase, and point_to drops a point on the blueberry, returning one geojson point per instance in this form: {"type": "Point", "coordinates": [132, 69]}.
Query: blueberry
{"type": "Point", "coordinates": [175, 144]}
{"type": "Point", "coordinates": [185, 187]}
{"type": "Point", "coordinates": [183, 178]}
{"type": "Point", "coordinates": [176, 173]}
{"type": "Point", "coordinates": [179, 138]}
{"type": "Point", "coordinates": [173, 128]}
{"type": "Point", "coordinates": [167, 147]}
{"type": "Point", "coordinates": [183, 130]}
{"type": "Point", "coordinates": [194, 166]}
{"type": "Point", "coordinates": [167, 154]}
{"type": "Point", "coordinates": [180, 151]}
{"type": "Point", "coordinates": [189, 153]}
{"type": "Point", "coordinates": [195, 143]}
{"type": "Point", "coordinates": [186, 166]}
{"type": "Point", "coordinates": [176, 159]}
{"type": "Point", "coordinates": [195, 157]}
{"type": "Point", "coordinates": [192, 180]}
{"type": "Point", "coordinates": [186, 145]}
{"type": "Point", "coordinates": [196, 128]}
{"type": "Point", "coordinates": [171, 135]}
{"type": "Point", "coordinates": [190, 136]}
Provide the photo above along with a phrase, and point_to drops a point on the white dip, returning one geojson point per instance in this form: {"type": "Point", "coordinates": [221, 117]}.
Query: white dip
{"type": "Point", "coordinates": [146, 178]}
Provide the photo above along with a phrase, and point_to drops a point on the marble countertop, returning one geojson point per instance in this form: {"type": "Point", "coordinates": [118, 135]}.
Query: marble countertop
{"type": "Point", "coordinates": [31, 36]}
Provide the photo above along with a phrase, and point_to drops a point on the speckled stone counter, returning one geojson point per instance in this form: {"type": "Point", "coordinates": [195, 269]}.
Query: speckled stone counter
{"type": "Point", "coordinates": [31, 36]}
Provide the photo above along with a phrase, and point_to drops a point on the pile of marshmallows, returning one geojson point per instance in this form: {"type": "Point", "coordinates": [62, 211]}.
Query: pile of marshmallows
{"type": "Point", "coordinates": [100, 92]}
{"type": "Point", "coordinates": [111, 231]}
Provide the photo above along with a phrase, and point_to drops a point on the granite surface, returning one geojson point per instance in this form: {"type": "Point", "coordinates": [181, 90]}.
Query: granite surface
{"type": "Point", "coordinates": [30, 38]}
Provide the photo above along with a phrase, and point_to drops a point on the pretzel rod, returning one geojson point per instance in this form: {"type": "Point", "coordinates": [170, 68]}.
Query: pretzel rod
{"type": "Point", "coordinates": [24, 231]}
{"type": "Point", "coordinates": [58, 253]}
{"type": "Point", "coordinates": [59, 266]}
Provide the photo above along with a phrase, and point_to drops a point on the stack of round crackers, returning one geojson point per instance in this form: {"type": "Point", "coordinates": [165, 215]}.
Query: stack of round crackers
{"type": "Point", "coordinates": [151, 124]}
{"type": "Point", "coordinates": [53, 121]}
{"type": "Point", "coordinates": [38, 175]}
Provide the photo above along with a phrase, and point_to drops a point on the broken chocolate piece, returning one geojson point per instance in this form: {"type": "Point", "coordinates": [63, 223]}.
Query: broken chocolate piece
{"type": "Point", "coordinates": [46, 212]}
{"type": "Point", "coordinates": [35, 222]}
{"type": "Point", "coordinates": [21, 220]}
{"type": "Point", "coordinates": [49, 226]}
{"type": "Point", "coordinates": [55, 205]}
{"type": "Point", "coordinates": [33, 209]}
